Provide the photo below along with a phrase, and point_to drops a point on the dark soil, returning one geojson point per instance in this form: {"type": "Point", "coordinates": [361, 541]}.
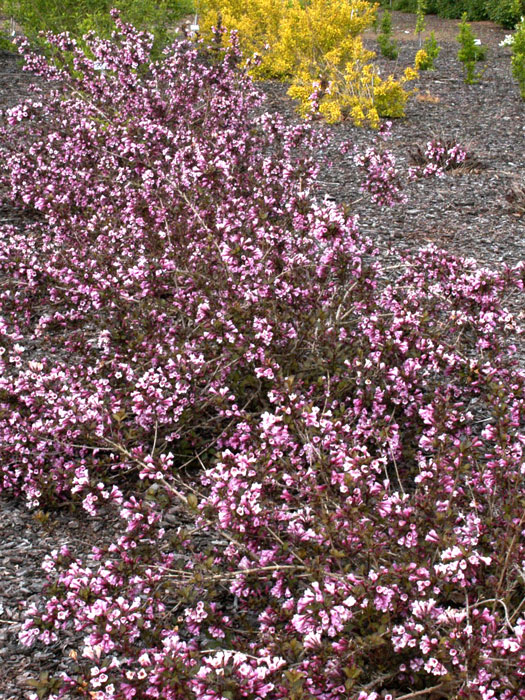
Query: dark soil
{"type": "Point", "coordinates": [467, 213]}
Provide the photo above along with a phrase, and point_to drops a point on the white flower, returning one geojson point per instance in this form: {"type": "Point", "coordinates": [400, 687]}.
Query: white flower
{"type": "Point", "coordinates": [507, 41]}
{"type": "Point", "coordinates": [477, 42]}
{"type": "Point", "coordinates": [194, 27]}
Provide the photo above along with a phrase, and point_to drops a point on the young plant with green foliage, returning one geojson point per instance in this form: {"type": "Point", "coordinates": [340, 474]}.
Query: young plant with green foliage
{"type": "Point", "coordinates": [426, 56]}
{"type": "Point", "coordinates": [518, 56]}
{"type": "Point", "coordinates": [471, 52]}
{"type": "Point", "coordinates": [387, 43]}
{"type": "Point", "coordinates": [420, 19]}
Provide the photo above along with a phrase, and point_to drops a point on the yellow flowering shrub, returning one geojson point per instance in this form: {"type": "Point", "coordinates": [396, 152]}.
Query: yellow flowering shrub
{"type": "Point", "coordinates": [258, 22]}
{"type": "Point", "coordinates": [341, 93]}
{"type": "Point", "coordinates": [390, 97]}
{"type": "Point", "coordinates": [323, 31]}
{"type": "Point", "coordinates": [358, 93]}
{"type": "Point", "coordinates": [421, 59]}
{"type": "Point", "coordinates": [317, 46]}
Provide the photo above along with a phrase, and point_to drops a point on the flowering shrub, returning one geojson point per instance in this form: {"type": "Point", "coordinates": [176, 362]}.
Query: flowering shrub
{"type": "Point", "coordinates": [317, 46]}
{"type": "Point", "coordinates": [287, 34]}
{"type": "Point", "coordinates": [356, 526]}
{"type": "Point", "coordinates": [439, 156]}
{"type": "Point", "coordinates": [426, 56]}
{"type": "Point", "coordinates": [379, 98]}
{"type": "Point", "coordinates": [382, 179]}
{"type": "Point", "coordinates": [139, 343]}
{"type": "Point", "coordinates": [517, 43]}
{"type": "Point", "coordinates": [507, 41]}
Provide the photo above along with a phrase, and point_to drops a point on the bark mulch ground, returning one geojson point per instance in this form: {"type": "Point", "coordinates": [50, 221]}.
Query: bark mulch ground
{"type": "Point", "coordinates": [468, 213]}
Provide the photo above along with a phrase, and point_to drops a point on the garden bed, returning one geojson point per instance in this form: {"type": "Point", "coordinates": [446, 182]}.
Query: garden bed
{"type": "Point", "coordinates": [468, 213]}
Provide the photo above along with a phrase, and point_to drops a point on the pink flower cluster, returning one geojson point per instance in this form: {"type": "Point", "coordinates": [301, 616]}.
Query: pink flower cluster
{"type": "Point", "coordinates": [382, 178]}
{"type": "Point", "coordinates": [438, 157]}
{"type": "Point", "coordinates": [355, 528]}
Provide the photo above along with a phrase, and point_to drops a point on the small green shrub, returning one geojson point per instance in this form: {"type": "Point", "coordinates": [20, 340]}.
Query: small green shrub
{"type": "Point", "coordinates": [421, 10]}
{"type": "Point", "coordinates": [387, 44]}
{"type": "Point", "coordinates": [518, 56]}
{"type": "Point", "coordinates": [426, 56]}
{"type": "Point", "coordinates": [471, 51]}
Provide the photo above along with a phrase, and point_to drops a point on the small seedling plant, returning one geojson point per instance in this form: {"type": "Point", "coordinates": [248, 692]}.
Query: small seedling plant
{"type": "Point", "coordinates": [426, 56]}
{"type": "Point", "coordinates": [471, 52]}
{"type": "Point", "coordinates": [421, 10]}
{"type": "Point", "coordinates": [518, 56]}
{"type": "Point", "coordinates": [352, 522]}
{"type": "Point", "coordinates": [387, 44]}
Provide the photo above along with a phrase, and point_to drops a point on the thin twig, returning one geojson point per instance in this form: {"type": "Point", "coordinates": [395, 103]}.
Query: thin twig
{"type": "Point", "coordinates": [498, 600]}
{"type": "Point", "coordinates": [396, 470]}
{"type": "Point", "coordinates": [425, 691]}
{"type": "Point", "coordinates": [155, 438]}
{"type": "Point", "coordinates": [506, 562]}
{"type": "Point", "coordinates": [227, 575]}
